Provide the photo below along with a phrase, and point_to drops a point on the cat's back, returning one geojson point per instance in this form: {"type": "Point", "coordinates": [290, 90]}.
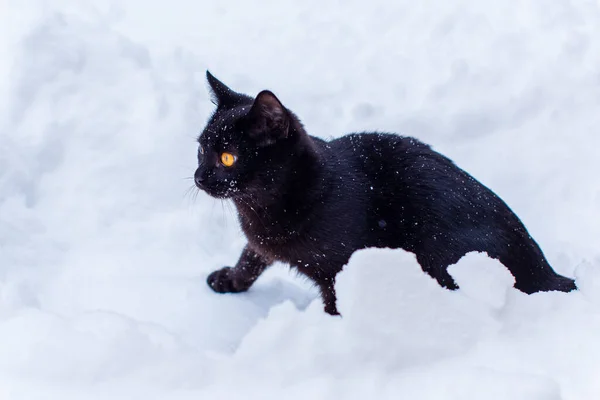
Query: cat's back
{"type": "Point", "coordinates": [382, 156]}
{"type": "Point", "coordinates": [377, 144]}
{"type": "Point", "coordinates": [404, 169]}
{"type": "Point", "coordinates": [408, 181]}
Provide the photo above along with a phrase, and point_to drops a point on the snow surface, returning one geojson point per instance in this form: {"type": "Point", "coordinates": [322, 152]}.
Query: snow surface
{"type": "Point", "coordinates": [104, 251]}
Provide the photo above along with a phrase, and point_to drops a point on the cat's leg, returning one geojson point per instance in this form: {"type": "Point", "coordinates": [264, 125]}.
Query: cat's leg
{"type": "Point", "coordinates": [445, 280]}
{"type": "Point", "coordinates": [239, 278]}
{"type": "Point", "coordinates": [324, 278]}
{"type": "Point", "coordinates": [327, 287]}
{"type": "Point", "coordinates": [438, 270]}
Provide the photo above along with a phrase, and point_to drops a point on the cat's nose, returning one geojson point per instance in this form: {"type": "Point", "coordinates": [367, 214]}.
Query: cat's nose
{"type": "Point", "coordinates": [199, 179]}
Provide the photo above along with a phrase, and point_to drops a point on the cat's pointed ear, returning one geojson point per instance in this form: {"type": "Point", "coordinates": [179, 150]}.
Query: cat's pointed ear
{"type": "Point", "coordinates": [268, 118]}
{"type": "Point", "coordinates": [221, 95]}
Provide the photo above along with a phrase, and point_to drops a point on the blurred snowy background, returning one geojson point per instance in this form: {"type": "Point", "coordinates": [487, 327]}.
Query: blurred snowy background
{"type": "Point", "coordinates": [104, 252]}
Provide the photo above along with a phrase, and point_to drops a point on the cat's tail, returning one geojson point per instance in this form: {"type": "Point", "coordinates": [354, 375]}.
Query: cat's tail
{"type": "Point", "coordinates": [565, 284]}
{"type": "Point", "coordinates": [531, 269]}
{"type": "Point", "coordinates": [550, 283]}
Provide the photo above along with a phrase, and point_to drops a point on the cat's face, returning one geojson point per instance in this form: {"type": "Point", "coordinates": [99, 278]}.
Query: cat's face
{"type": "Point", "coordinates": [243, 146]}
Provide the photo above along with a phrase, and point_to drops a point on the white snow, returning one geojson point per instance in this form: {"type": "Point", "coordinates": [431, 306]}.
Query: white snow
{"type": "Point", "coordinates": [104, 251]}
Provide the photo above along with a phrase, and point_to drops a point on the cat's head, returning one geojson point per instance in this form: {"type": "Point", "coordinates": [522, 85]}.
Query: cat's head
{"type": "Point", "coordinates": [246, 144]}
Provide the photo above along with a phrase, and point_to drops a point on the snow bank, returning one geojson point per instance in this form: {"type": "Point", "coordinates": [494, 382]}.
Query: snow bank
{"type": "Point", "coordinates": [401, 334]}
{"type": "Point", "coordinates": [104, 251]}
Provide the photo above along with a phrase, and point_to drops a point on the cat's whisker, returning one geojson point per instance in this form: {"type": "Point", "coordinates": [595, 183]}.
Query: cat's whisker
{"type": "Point", "coordinates": [223, 213]}
{"type": "Point", "coordinates": [196, 193]}
{"type": "Point", "coordinates": [230, 208]}
{"type": "Point", "coordinates": [188, 194]}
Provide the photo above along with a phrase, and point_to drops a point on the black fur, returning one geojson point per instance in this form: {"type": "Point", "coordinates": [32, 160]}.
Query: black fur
{"type": "Point", "coordinates": [311, 203]}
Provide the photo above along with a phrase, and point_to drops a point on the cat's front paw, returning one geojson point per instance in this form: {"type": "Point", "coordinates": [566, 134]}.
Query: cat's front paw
{"type": "Point", "coordinates": [331, 309]}
{"type": "Point", "coordinates": [225, 281]}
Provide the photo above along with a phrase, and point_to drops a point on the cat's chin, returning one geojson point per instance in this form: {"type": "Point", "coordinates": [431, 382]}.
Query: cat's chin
{"type": "Point", "coordinates": [219, 194]}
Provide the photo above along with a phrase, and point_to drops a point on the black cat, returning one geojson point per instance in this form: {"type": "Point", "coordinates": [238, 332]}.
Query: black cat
{"type": "Point", "coordinates": [311, 203]}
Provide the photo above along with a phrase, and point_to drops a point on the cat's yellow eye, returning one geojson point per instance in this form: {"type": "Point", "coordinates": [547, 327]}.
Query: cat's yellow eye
{"type": "Point", "coordinates": [228, 159]}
